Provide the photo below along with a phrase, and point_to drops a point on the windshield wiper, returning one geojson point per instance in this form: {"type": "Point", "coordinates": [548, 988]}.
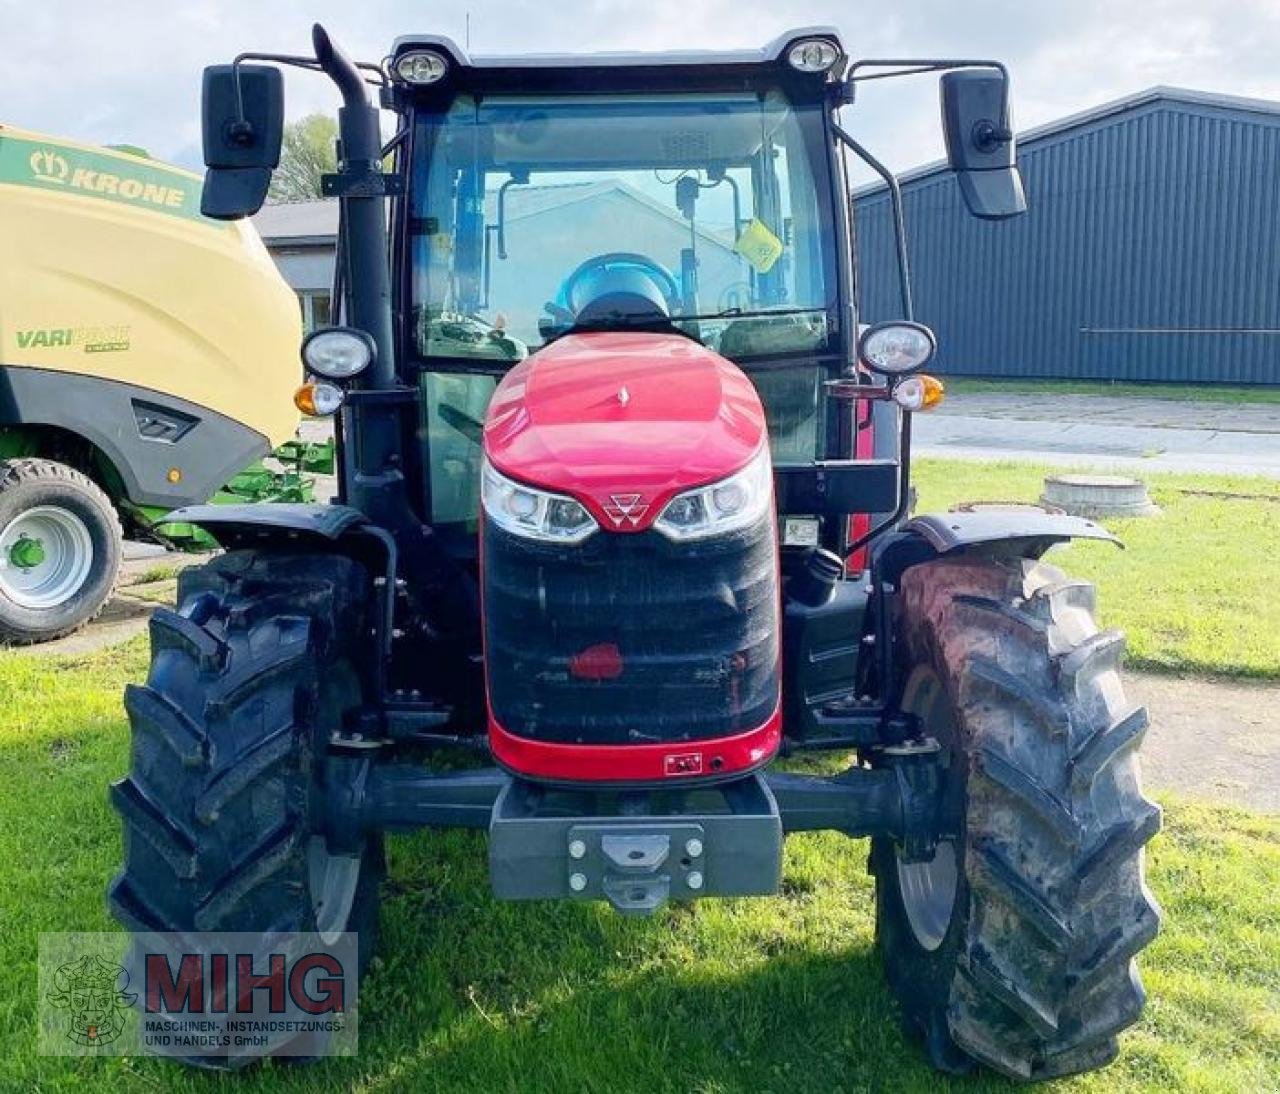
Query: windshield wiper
{"type": "Point", "coordinates": [742, 313]}
{"type": "Point", "coordinates": [626, 319]}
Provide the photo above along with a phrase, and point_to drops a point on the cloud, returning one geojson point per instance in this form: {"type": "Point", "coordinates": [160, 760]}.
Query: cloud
{"type": "Point", "coordinates": [130, 71]}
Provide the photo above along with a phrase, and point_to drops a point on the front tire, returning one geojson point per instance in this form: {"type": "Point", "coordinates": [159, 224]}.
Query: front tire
{"type": "Point", "coordinates": [60, 547]}
{"type": "Point", "coordinates": [223, 805]}
{"type": "Point", "coordinates": [1014, 946]}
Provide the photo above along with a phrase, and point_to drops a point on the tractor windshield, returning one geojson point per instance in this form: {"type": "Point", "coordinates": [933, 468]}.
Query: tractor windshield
{"type": "Point", "coordinates": [697, 209]}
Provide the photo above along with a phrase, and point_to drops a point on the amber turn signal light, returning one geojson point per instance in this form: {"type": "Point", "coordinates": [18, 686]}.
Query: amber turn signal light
{"type": "Point", "coordinates": [919, 392]}
{"type": "Point", "coordinates": [318, 399]}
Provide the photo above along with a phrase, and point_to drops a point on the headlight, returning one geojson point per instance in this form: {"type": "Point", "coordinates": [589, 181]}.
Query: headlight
{"type": "Point", "coordinates": [534, 514]}
{"type": "Point", "coordinates": [894, 348]}
{"type": "Point", "coordinates": [813, 55]}
{"type": "Point", "coordinates": [338, 353]}
{"type": "Point", "coordinates": [423, 66]}
{"type": "Point", "coordinates": [725, 506]}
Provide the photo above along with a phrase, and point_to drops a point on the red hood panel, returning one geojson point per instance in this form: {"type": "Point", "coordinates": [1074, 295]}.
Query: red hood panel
{"type": "Point", "coordinates": [604, 416]}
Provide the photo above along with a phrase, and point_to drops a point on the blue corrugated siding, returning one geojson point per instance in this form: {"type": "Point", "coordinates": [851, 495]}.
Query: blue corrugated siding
{"type": "Point", "coordinates": [1149, 232]}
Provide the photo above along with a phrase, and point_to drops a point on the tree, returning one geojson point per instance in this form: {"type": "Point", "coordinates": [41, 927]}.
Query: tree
{"type": "Point", "coordinates": [306, 154]}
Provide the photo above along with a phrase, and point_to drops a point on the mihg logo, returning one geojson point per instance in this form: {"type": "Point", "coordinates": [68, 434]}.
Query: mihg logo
{"type": "Point", "coordinates": [48, 166]}
{"type": "Point", "coordinates": [198, 994]}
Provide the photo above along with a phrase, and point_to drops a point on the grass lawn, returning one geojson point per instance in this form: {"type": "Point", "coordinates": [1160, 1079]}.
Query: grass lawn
{"type": "Point", "coordinates": [1198, 588]}
{"type": "Point", "coordinates": [1206, 393]}
{"type": "Point", "coordinates": [780, 994]}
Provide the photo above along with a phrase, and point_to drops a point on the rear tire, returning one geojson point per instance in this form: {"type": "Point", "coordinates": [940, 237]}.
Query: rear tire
{"type": "Point", "coordinates": [1021, 957]}
{"type": "Point", "coordinates": [222, 808]}
{"type": "Point", "coordinates": [60, 547]}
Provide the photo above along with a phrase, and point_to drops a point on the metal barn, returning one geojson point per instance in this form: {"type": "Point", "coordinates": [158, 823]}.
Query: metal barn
{"type": "Point", "coordinates": [1151, 251]}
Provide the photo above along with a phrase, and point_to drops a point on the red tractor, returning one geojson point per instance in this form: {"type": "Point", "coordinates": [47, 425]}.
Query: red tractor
{"type": "Point", "coordinates": [623, 510]}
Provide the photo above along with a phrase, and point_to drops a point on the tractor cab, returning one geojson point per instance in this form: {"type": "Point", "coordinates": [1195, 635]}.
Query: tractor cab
{"type": "Point", "coordinates": [690, 198]}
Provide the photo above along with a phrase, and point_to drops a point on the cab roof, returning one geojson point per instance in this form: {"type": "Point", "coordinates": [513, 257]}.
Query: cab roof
{"type": "Point", "coordinates": [770, 53]}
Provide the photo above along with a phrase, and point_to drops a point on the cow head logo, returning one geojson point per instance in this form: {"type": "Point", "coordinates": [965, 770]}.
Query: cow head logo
{"type": "Point", "coordinates": [48, 166]}
{"type": "Point", "coordinates": [626, 508]}
{"type": "Point", "coordinates": [92, 991]}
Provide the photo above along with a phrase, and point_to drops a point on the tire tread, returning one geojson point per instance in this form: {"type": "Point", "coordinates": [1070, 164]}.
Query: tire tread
{"type": "Point", "coordinates": [1057, 906]}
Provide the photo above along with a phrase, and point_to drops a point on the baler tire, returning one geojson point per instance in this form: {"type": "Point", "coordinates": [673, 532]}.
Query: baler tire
{"type": "Point", "coordinates": [222, 805]}
{"type": "Point", "coordinates": [1035, 974]}
{"type": "Point", "coordinates": [35, 484]}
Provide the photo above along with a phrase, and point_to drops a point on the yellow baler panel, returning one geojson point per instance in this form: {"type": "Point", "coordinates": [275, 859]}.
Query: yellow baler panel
{"type": "Point", "coordinates": [108, 269]}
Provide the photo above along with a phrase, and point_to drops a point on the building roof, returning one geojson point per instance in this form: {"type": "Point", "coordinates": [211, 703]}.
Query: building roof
{"type": "Point", "coordinates": [1106, 112]}
{"type": "Point", "coordinates": [315, 223]}
{"type": "Point", "coordinates": [298, 223]}
{"type": "Point", "coordinates": [530, 199]}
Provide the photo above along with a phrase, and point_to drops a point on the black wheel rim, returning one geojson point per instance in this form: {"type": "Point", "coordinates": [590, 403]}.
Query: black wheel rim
{"type": "Point", "coordinates": [929, 889]}
{"type": "Point", "coordinates": [333, 877]}
{"type": "Point", "coordinates": [333, 882]}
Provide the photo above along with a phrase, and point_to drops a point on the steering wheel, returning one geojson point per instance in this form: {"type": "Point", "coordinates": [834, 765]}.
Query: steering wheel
{"type": "Point", "coordinates": [662, 278]}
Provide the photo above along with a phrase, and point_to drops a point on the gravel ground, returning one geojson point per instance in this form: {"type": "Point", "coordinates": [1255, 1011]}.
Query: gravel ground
{"type": "Point", "coordinates": [1105, 431]}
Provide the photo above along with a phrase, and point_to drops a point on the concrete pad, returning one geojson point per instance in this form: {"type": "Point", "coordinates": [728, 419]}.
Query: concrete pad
{"type": "Point", "coordinates": [1105, 431]}
{"type": "Point", "coordinates": [1215, 740]}
{"type": "Point", "coordinates": [138, 564]}
{"type": "Point", "coordinates": [1118, 410]}
{"type": "Point", "coordinates": [123, 618]}
{"type": "Point", "coordinates": [136, 551]}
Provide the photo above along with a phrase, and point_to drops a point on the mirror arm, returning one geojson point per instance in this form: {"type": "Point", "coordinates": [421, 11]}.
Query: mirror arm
{"type": "Point", "coordinates": [242, 130]}
{"type": "Point", "coordinates": [919, 66]}
{"type": "Point", "coordinates": [899, 221]}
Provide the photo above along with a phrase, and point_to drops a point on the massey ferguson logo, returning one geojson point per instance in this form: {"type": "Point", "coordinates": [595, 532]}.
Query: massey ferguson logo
{"type": "Point", "coordinates": [49, 166]}
{"type": "Point", "coordinates": [628, 508]}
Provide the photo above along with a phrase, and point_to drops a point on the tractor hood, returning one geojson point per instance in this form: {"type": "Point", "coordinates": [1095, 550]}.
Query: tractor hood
{"type": "Point", "coordinates": [623, 422]}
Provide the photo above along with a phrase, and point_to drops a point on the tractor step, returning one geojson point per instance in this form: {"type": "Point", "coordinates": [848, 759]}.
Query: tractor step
{"type": "Point", "coordinates": [635, 851]}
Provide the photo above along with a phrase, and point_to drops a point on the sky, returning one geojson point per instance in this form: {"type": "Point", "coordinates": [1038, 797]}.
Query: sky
{"type": "Point", "coordinates": [129, 72]}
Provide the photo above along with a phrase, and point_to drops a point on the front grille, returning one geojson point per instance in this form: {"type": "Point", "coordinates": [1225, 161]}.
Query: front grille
{"type": "Point", "coordinates": [695, 626]}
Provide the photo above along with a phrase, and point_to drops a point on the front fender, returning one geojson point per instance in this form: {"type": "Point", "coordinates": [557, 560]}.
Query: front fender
{"type": "Point", "coordinates": [249, 525]}
{"type": "Point", "coordinates": [1017, 533]}
{"type": "Point", "coordinates": [1036, 529]}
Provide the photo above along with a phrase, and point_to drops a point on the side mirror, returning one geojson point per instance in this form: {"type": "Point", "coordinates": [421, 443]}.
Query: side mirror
{"type": "Point", "coordinates": [243, 129]}
{"type": "Point", "coordinates": [980, 142]}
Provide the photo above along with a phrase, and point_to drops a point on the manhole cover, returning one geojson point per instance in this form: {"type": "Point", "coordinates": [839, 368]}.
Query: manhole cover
{"type": "Point", "coordinates": [1098, 495]}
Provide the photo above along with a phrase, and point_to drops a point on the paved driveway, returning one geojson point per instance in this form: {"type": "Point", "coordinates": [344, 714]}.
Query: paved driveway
{"type": "Point", "coordinates": [1102, 430]}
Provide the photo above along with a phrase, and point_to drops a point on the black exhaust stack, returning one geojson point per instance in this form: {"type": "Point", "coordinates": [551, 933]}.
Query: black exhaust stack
{"type": "Point", "coordinates": [364, 220]}
{"type": "Point", "coordinates": [372, 434]}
